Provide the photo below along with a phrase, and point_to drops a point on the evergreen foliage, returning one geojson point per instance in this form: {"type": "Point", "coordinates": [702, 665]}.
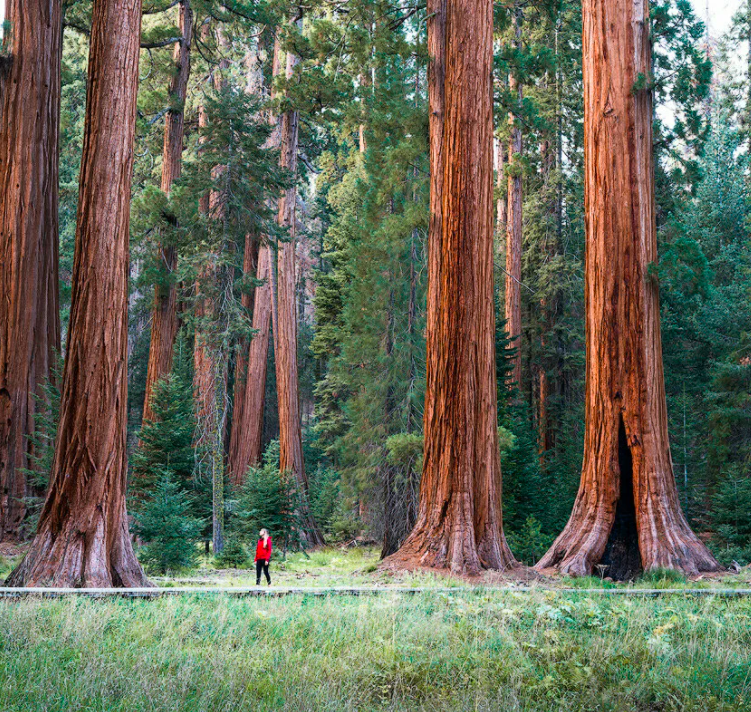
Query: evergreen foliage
{"type": "Point", "coordinates": [268, 499]}
{"type": "Point", "coordinates": [165, 524]}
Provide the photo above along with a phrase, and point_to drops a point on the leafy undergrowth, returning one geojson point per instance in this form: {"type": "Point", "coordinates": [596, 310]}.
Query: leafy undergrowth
{"type": "Point", "coordinates": [466, 650]}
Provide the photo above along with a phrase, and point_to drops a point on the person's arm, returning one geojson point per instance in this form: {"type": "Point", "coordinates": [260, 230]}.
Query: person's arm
{"type": "Point", "coordinates": [269, 557]}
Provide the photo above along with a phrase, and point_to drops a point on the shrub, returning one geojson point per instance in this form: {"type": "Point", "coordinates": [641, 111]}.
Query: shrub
{"type": "Point", "coordinates": [530, 543]}
{"type": "Point", "coordinates": [233, 555]}
{"type": "Point", "coordinates": [269, 499]}
{"type": "Point", "coordinates": [164, 523]}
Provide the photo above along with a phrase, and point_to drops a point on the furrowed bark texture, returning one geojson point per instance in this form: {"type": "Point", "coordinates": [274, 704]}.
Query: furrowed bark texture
{"type": "Point", "coordinates": [247, 428]}
{"type": "Point", "coordinates": [626, 515]}
{"type": "Point", "coordinates": [29, 314]}
{"type": "Point", "coordinates": [284, 318]}
{"type": "Point", "coordinates": [164, 319]}
{"type": "Point", "coordinates": [82, 538]}
{"type": "Point", "coordinates": [459, 524]}
{"type": "Point", "coordinates": [238, 434]}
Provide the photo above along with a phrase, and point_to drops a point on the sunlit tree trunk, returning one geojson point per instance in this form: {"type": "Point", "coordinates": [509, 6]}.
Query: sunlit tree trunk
{"type": "Point", "coordinates": [626, 515]}
{"type": "Point", "coordinates": [82, 538]}
{"type": "Point", "coordinates": [459, 525]}
{"type": "Point", "coordinates": [164, 312]}
{"type": "Point", "coordinates": [29, 314]}
{"type": "Point", "coordinates": [284, 319]}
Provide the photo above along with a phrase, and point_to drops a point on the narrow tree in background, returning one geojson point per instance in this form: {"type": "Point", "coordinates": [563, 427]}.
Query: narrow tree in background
{"type": "Point", "coordinates": [29, 313]}
{"type": "Point", "coordinates": [164, 312]}
{"type": "Point", "coordinates": [209, 358]}
{"type": "Point", "coordinates": [514, 235]}
{"type": "Point", "coordinates": [82, 538]}
{"type": "Point", "coordinates": [626, 515]}
{"type": "Point", "coordinates": [284, 319]}
{"type": "Point", "coordinates": [459, 524]}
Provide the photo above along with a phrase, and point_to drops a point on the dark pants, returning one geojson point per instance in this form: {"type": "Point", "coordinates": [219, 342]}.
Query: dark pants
{"type": "Point", "coordinates": [262, 565]}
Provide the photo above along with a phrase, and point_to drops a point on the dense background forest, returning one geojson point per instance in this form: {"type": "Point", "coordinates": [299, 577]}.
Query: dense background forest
{"type": "Point", "coordinates": [225, 277]}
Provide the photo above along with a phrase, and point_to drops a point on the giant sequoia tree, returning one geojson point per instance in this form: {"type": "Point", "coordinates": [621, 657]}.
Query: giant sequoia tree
{"type": "Point", "coordinates": [250, 387]}
{"type": "Point", "coordinates": [82, 538]}
{"type": "Point", "coordinates": [459, 525]}
{"type": "Point", "coordinates": [29, 320]}
{"type": "Point", "coordinates": [284, 320]}
{"type": "Point", "coordinates": [626, 515]}
{"type": "Point", "coordinates": [164, 312]}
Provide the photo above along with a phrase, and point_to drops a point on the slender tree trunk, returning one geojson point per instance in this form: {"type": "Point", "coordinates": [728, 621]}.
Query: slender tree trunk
{"type": "Point", "coordinates": [626, 515]}
{"type": "Point", "coordinates": [514, 232]}
{"type": "Point", "coordinates": [459, 524]}
{"type": "Point", "coordinates": [82, 538]}
{"type": "Point", "coordinates": [546, 309]}
{"type": "Point", "coordinates": [284, 316]}
{"type": "Point", "coordinates": [247, 430]}
{"type": "Point", "coordinates": [209, 358]}
{"type": "Point", "coordinates": [29, 313]}
{"type": "Point", "coordinates": [164, 312]}
{"type": "Point", "coordinates": [501, 205]}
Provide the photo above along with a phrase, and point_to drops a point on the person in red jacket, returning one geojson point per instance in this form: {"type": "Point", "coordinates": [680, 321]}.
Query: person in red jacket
{"type": "Point", "coordinates": [263, 556]}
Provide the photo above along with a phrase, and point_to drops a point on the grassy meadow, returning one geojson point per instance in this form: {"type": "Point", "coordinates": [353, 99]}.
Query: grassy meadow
{"type": "Point", "coordinates": [471, 648]}
{"type": "Point", "coordinates": [465, 650]}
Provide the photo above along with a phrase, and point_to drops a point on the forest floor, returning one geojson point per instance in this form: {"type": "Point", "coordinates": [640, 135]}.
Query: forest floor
{"type": "Point", "coordinates": [358, 566]}
{"type": "Point", "coordinates": [470, 648]}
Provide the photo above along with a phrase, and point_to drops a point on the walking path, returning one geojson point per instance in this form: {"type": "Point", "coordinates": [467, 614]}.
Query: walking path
{"type": "Point", "coordinates": [277, 592]}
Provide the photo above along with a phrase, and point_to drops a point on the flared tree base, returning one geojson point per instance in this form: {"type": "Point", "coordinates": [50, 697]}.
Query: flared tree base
{"type": "Point", "coordinates": [454, 549]}
{"type": "Point", "coordinates": [586, 544]}
{"type": "Point", "coordinates": [74, 559]}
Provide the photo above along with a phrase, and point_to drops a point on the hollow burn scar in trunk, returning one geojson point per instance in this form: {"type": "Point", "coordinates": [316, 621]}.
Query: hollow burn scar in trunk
{"type": "Point", "coordinates": [622, 556]}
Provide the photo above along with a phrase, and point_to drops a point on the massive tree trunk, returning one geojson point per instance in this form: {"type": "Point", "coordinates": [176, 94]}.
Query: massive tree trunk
{"type": "Point", "coordinates": [514, 225]}
{"type": "Point", "coordinates": [29, 314]}
{"type": "Point", "coordinates": [238, 434]}
{"type": "Point", "coordinates": [459, 524]}
{"type": "Point", "coordinates": [247, 426]}
{"type": "Point", "coordinates": [82, 538]}
{"type": "Point", "coordinates": [284, 318]}
{"type": "Point", "coordinates": [626, 515]}
{"type": "Point", "coordinates": [164, 313]}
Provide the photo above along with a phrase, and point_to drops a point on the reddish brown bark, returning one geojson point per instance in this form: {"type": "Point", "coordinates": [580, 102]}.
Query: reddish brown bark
{"type": "Point", "coordinates": [247, 431]}
{"type": "Point", "coordinates": [164, 319]}
{"type": "Point", "coordinates": [29, 315]}
{"type": "Point", "coordinates": [626, 515]}
{"type": "Point", "coordinates": [247, 427]}
{"type": "Point", "coordinates": [284, 320]}
{"type": "Point", "coordinates": [514, 226]}
{"type": "Point", "coordinates": [238, 432]}
{"type": "Point", "coordinates": [459, 524]}
{"type": "Point", "coordinates": [82, 538]}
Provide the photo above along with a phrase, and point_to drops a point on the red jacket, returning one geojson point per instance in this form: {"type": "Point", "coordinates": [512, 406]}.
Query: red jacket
{"type": "Point", "coordinates": [263, 552]}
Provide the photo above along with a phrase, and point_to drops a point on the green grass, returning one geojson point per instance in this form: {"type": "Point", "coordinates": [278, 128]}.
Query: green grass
{"type": "Point", "coordinates": [467, 650]}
